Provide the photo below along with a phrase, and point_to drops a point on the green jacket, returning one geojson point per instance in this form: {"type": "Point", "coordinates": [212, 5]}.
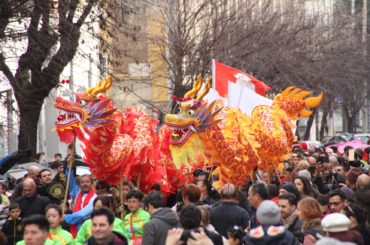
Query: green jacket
{"type": "Point", "coordinates": [139, 218]}
{"type": "Point", "coordinates": [84, 233]}
{"type": "Point", "coordinates": [62, 236]}
{"type": "Point", "coordinates": [47, 242]}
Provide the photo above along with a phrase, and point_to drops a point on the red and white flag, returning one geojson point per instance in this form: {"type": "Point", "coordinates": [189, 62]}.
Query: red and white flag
{"type": "Point", "coordinates": [223, 74]}
{"type": "Point", "coordinates": [237, 89]}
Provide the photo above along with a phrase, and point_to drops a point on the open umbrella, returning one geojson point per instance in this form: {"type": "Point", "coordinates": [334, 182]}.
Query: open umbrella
{"type": "Point", "coordinates": [9, 161]}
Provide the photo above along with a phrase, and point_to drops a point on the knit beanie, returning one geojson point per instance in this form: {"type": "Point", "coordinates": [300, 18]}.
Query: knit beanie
{"type": "Point", "coordinates": [268, 213]}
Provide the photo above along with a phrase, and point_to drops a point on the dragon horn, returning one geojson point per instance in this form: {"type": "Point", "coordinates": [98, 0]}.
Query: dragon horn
{"type": "Point", "coordinates": [196, 87]}
{"type": "Point", "coordinates": [205, 89]}
{"type": "Point", "coordinates": [89, 90]}
{"type": "Point", "coordinates": [305, 113]}
{"type": "Point", "coordinates": [313, 102]}
{"type": "Point", "coordinates": [102, 86]}
{"type": "Point", "coordinates": [287, 90]}
{"type": "Point", "coordinates": [108, 83]}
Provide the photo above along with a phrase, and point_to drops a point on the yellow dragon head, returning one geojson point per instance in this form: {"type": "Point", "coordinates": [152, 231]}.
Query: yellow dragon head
{"type": "Point", "coordinates": [294, 102]}
{"type": "Point", "coordinates": [194, 117]}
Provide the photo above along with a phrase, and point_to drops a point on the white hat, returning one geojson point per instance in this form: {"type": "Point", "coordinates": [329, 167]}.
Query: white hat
{"type": "Point", "coordinates": [335, 222]}
{"type": "Point", "coordinates": [305, 174]}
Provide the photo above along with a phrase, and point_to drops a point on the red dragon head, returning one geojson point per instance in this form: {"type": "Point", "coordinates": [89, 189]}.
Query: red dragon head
{"type": "Point", "coordinates": [89, 110]}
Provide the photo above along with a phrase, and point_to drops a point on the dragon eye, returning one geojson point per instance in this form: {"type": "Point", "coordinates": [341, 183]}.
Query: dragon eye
{"type": "Point", "coordinates": [82, 102]}
{"type": "Point", "coordinates": [179, 110]}
{"type": "Point", "coordinates": [191, 112]}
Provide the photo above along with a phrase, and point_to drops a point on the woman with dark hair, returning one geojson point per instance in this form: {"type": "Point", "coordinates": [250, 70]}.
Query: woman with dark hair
{"type": "Point", "coordinates": [235, 235]}
{"type": "Point", "coordinates": [304, 187]}
{"type": "Point", "coordinates": [84, 233]}
{"type": "Point", "coordinates": [309, 214]}
{"type": "Point", "coordinates": [357, 216]}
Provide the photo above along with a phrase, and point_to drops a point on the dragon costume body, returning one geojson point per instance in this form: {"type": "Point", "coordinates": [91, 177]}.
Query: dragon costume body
{"type": "Point", "coordinates": [217, 135]}
{"type": "Point", "coordinates": [116, 143]}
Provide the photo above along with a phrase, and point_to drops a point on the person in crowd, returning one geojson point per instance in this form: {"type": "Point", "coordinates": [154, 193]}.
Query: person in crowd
{"type": "Point", "coordinates": [177, 235]}
{"type": "Point", "coordinates": [337, 201]}
{"type": "Point", "coordinates": [102, 229]}
{"type": "Point", "coordinates": [357, 216]}
{"type": "Point", "coordinates": [205, 187]}
{"type": "Point", "coordinates": [229, 213]}
{"type": "Point", "coordinates": [84, 233]}
{"type": "Point", "coordinates": [190, 195]}
{"type": "Point", "coordinates": [162, 219]}
{"type": "Point", "coordinates": [339, 169]}
{"type": "Point", "coordinates": [302, 164]}
{"type": "Point", "coordinates": [351, 178]}
{"type": "Point", "coordinates": [36, 231]}
{"type": "Point", "coordinates": [269, 231]}
{"type": "Point", "coordinates": [41, 159]}
{"type": "Point", "coordinates": [122, 210]}
{"type": "Point", "coordinates": [56, 233]}
{"type": "Point", "coordinates": [304, 187]}
{"type": "Point", "coordinates": [273, 191]}
{"type": "Point", "coordinates": [256, 195]}
{"type": "Point", "coordinates": [294, 160]}
{"type": "Point", "coordinates": [190, 219]}
{"type": "Point", "coordinates": [289, 215]}
{"type": "Point", "coordinates": [287, 175]}
{"type": "Point", "coordinates": [57, 159]}
{"type": "Point", "coordinates": [324, 203]}
{"type": "Point", "coordinates": [336, 225]}
{"type": "Point", "coordinates": [13, 228]}
{"type": "Point", "coordinates": [134, 222]}
{"type": "Point", "coordinates": [289, 188]}
{"type": "Point", "coordinates": [33, 173]}
{"type": "Point", "coordinates": [30, 202]}
{"type": "Point", "coordinates": [50, 189]}
{"type": "Point", "coordinates": [83, 205]}
{"type": "Point", "coordinates": [310, 215]}
{"type": "Point", "coordinates": [362, 195]}
{"type": "Point", "coordinates": [235, 235]}
{"type": "Point", "coordinates": [4, 209]}
{"type": "Point", "coordinates": [204, 177]}
{"type": "Point", "coordinates": [3, 193]}
{"type": "Point", "coordinates": [102, 188]}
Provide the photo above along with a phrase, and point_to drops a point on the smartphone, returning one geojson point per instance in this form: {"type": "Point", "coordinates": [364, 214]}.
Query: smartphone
{"type": "Point", "coordinates": [351, 155]}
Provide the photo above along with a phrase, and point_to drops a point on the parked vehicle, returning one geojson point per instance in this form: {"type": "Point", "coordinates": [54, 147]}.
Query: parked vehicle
{"type": "Point", "coordinates": [363, 137]}
{"type": "Point", "coordinates": [338, 138]}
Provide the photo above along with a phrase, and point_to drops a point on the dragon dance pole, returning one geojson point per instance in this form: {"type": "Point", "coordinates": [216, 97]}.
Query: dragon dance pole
{"type": "Point", "coordinates": [71, 160]}
{"type": "Point", "coordinates": [121, 195]}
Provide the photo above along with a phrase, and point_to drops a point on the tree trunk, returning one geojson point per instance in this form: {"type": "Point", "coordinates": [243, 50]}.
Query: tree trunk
{"type": "Point", "coordinates": [29, 117]}
{"type": "Point", "coordinates": [309, 125]}
{"type": "Point", "coordinates": [324, 122]}
{"type": "Point", "coordinates": [351, 123]}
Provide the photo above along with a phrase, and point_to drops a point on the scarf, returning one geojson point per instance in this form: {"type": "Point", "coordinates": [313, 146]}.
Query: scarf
{"type": "Point", "coordinates": [78, 206]}
{"type": "Point", "coordinates": [290, 219]}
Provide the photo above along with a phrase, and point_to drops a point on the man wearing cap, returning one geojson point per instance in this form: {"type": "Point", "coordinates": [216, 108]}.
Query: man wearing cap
{"type": "Point", "coordinates": [270, 231]}
{"type": "Point", "coordinates": [336, 225]}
